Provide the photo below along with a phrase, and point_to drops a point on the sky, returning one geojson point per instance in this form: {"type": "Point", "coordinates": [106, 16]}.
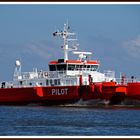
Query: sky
{"type": "Point", "coordinates": [110, 31]}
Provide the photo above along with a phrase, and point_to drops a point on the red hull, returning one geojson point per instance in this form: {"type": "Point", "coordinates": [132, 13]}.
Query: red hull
{"type": "Point", "coordinates": [17, 95]}
{"type": "Point", "coordinates": [111, 91]}
{"type": "Point", "coordinates": [29, 95]}
{"type": "Point", "coordinates": [59, 95]}
{"type": "Point", "coordinates": [133, 91]}
{"type": "Point", "coordinates": [105, 91]}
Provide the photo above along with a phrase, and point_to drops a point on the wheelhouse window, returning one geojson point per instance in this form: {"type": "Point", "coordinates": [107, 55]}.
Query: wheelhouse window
{"type": "Point", "coordinates": [71, 67]}
{"type": "Point", "coordinates": [85, 66]}
{"type": "Point", "coordinates": [88, 67]}
{"type": "Point", "coordinates": [52, 67]}
{"type": "Point", "coordinates": [82, 67]}
{"type": "Point", "coordinates": [77, 67]}
{"type": "Point", "coordinates": [61, 67]}
{"type": "Point", "coordinates": [94, 67]}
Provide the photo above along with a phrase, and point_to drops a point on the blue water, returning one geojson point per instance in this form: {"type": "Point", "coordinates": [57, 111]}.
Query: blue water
{"type": "Point", "coordinates": [69, 121]}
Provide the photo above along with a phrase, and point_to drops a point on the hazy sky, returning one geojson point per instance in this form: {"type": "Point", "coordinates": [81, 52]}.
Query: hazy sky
{"type": "Point", "coordinates": [111, 32]}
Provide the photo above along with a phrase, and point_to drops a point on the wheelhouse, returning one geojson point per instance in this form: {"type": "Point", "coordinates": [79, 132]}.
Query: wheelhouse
{"type": "Point", "coordinates": [73, 65]}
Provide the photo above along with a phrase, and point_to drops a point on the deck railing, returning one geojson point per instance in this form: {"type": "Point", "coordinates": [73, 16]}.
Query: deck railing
{"type": "Point", "coordinates": [127, 80]}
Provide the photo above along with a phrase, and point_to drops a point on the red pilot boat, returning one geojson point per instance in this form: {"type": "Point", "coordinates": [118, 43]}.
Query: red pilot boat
{"type": "Point", "coordinates": [67, 80]}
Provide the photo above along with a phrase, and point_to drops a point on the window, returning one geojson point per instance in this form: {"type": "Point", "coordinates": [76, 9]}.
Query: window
{"type": "Point", "coordinates": [61, 67]}
{"type": "Point", "coordinates": [55, 82]}
{"type": "Point", "coordinates": [58, 81]}
{"type": "Point", "coordinates": [71, 67]}
{"type": "Point", "coordinates": [52, 67]}
{"type": "Point", "coordinates": [88, 67]}
{"type": "Point", "coordinates": [51, 82]}
{"type": "Point", "coordinates": [85, 66]}
{"type": "Point", "coordinates": [81, 67]}
{"type": "Point", "coordinates": [47, 82]}
{"type": "Point", "coordinates": [77, 67]}
{"type": "Point", "coordinates": [94, 67]}
{"type": "Point", "coordinates": [21, 82]}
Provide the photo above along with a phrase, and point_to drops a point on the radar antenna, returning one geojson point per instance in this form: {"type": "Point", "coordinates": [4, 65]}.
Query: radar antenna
{"type": "Point", "coordinates": [82, 55]}
{"type": "Point", "coordinates": [17, 72]}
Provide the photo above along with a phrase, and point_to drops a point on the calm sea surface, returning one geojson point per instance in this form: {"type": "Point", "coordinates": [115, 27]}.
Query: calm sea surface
{"type": "Point", "coordinates": [69, 121]}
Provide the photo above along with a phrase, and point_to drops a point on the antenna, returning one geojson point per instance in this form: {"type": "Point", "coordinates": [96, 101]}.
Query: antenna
{"type": "Point", "coordinates": [82, 55]}
{"type": "Point", "coordinates": [65, 35]}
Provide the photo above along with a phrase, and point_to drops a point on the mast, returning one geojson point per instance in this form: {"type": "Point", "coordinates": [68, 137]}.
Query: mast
{"type": "Point", "coordinates": [65, 35]}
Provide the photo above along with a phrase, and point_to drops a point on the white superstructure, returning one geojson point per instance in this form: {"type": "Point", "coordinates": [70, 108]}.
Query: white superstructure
{"type": "Point", "coordinates": [62, 71]}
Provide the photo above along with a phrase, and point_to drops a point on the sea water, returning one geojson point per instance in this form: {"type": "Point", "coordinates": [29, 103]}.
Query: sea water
{"type": "Point", "coordinates": [69, 121]}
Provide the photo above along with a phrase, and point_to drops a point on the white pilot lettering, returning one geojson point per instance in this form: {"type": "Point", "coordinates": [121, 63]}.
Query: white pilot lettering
{"type": "Point", "coordinates": [63, 91]}
{"type": "Point", "coordinates": [53, 91]}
